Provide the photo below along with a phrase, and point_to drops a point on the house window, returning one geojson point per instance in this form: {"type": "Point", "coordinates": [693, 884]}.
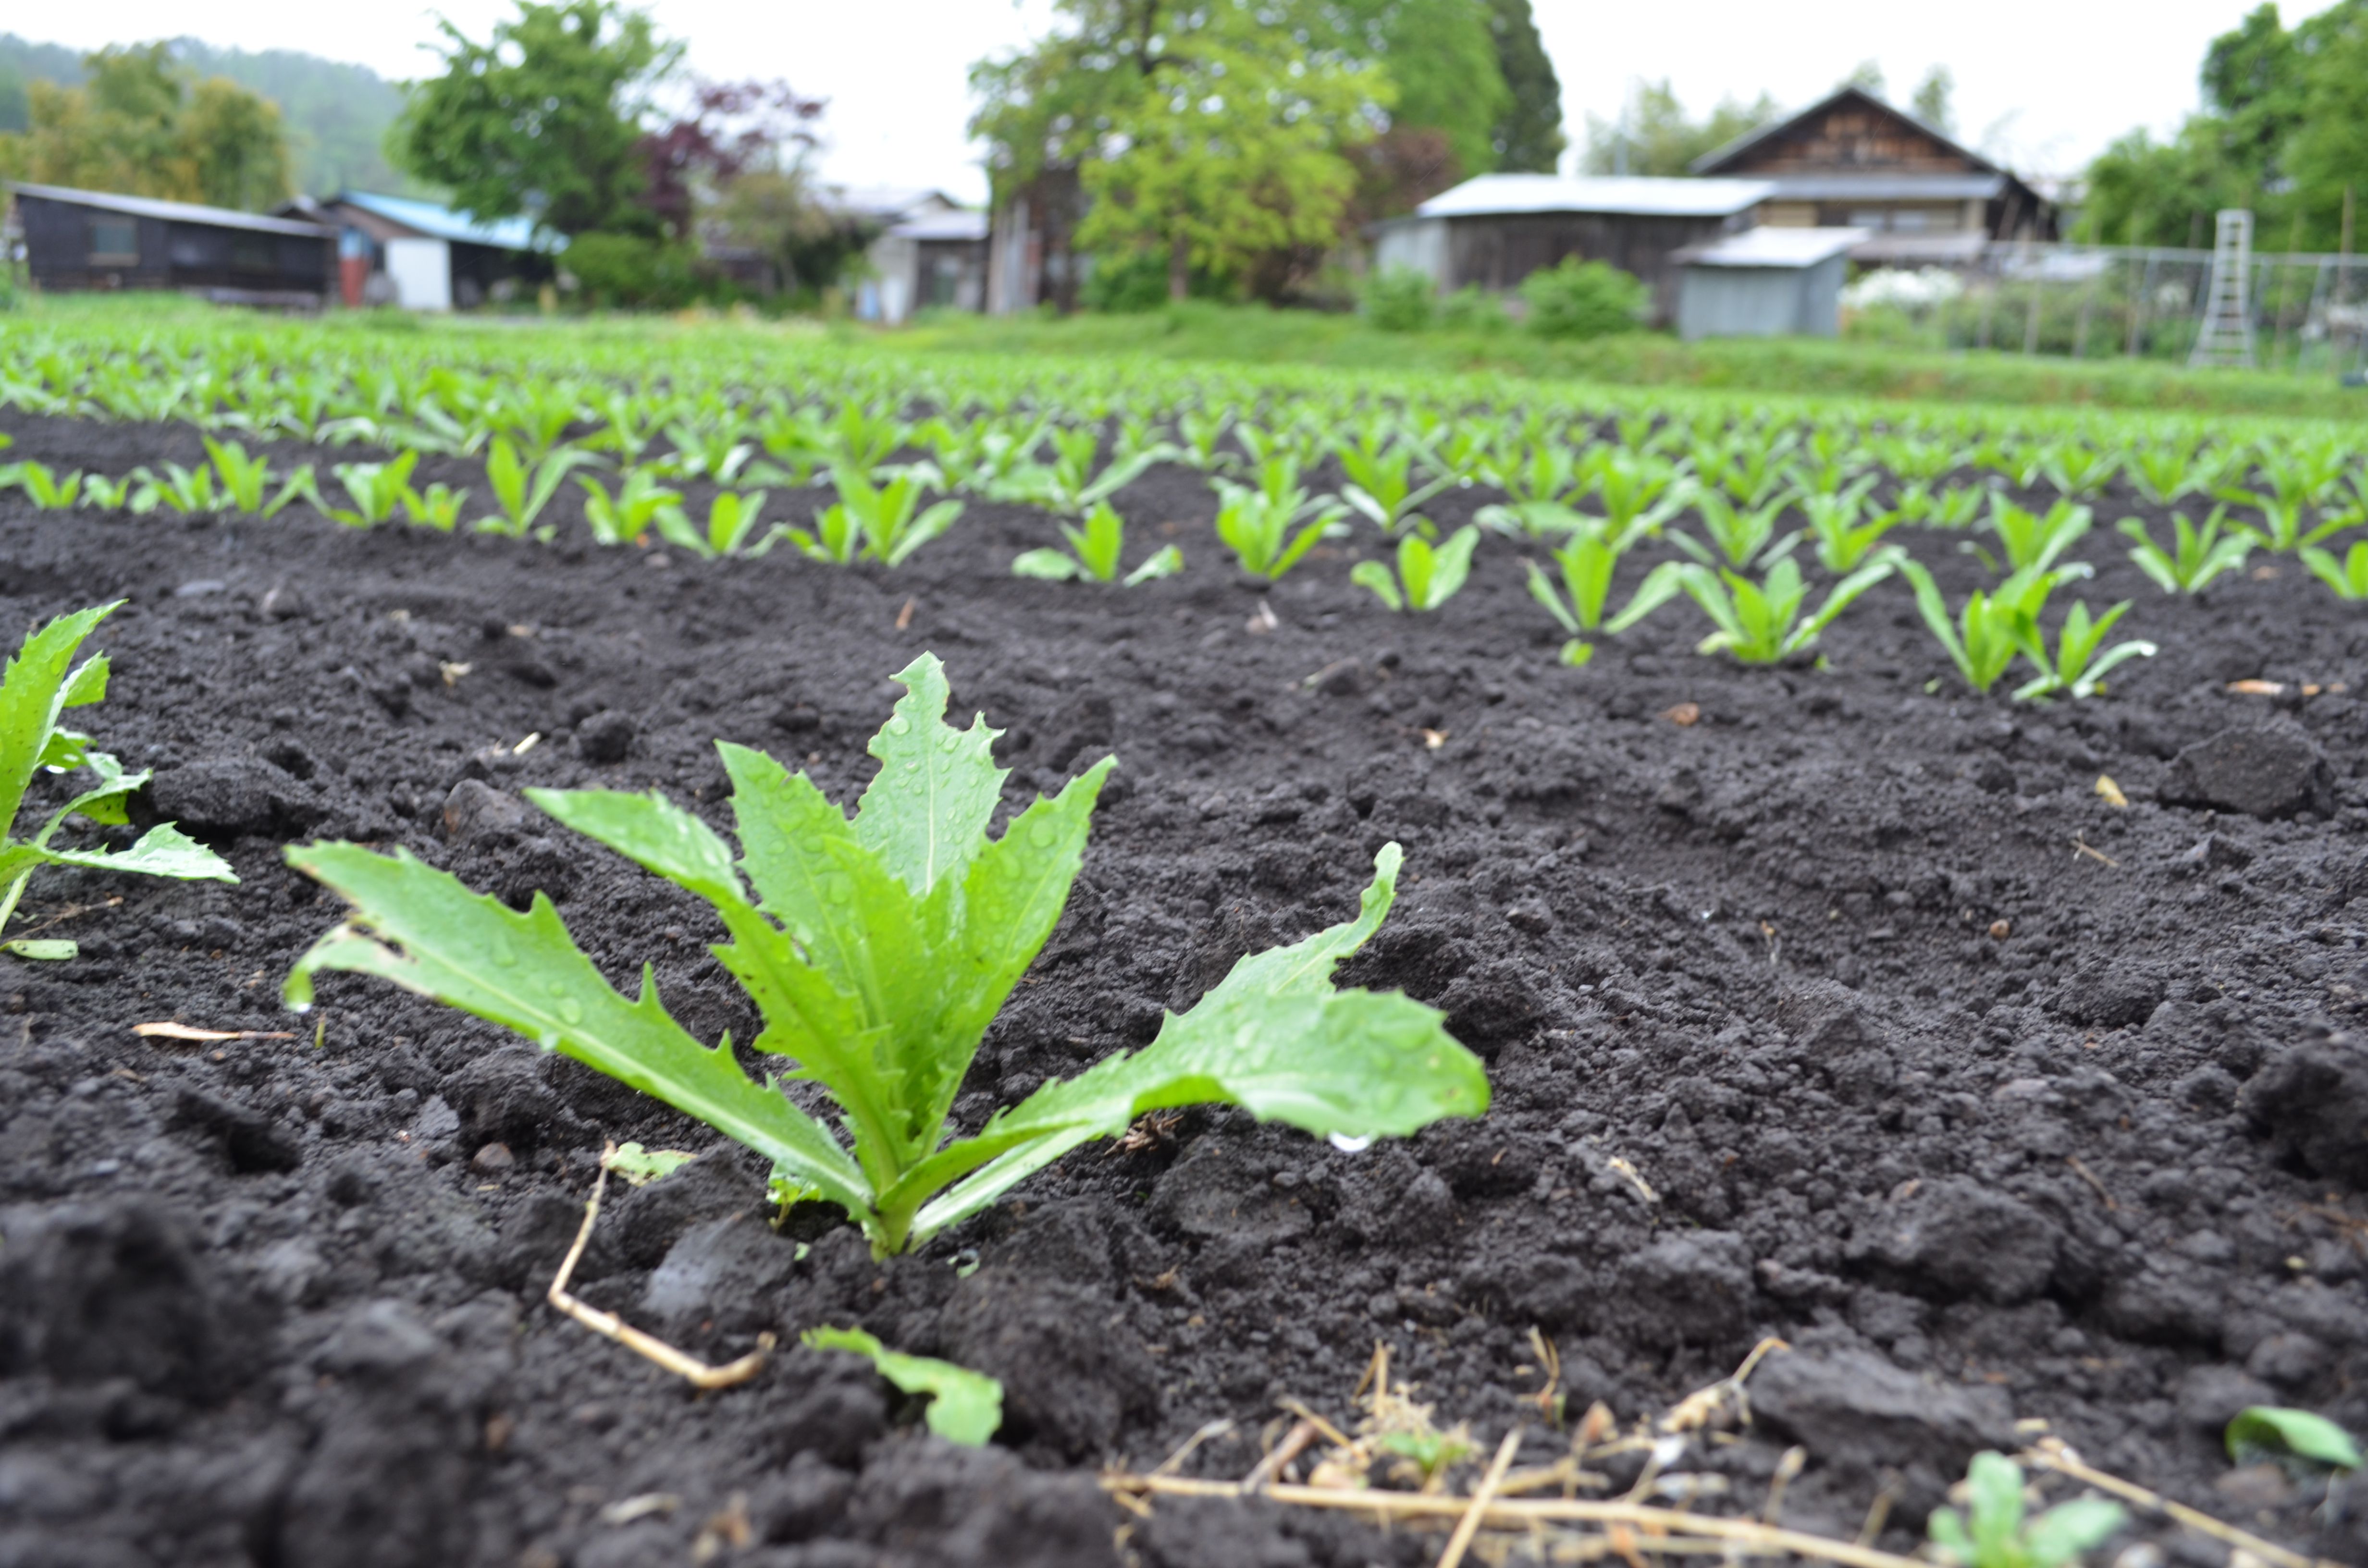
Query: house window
{"type": "Point", "coordinates": [114, 242]}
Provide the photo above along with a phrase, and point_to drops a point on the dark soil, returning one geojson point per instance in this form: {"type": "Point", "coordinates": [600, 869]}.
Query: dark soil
{"type": "Point", "coordinates": [1851, 1013]}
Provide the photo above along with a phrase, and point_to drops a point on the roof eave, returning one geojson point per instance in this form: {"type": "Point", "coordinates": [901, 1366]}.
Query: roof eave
{"type": "Point", "coordinates": [1709, 162]}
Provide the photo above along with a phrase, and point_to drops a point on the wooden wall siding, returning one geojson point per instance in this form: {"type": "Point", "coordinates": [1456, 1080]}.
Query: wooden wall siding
{"type": "Point", "coordinates": [1853, 136]}
{"type": "Point", "coordinates": [1498, 252]}
{"type": "Point", "coordinates": [172, 255]}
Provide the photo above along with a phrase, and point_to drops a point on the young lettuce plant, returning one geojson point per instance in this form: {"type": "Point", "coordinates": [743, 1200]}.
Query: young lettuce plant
{"type": "Point", "coordinates": [732, 524]}
{"type": "Point", "coordinates": [2197, 556]}
{"type": "Point", "coordinates": [37, 688]}
{"type": "Point", "coordinates": [2078, 668]}
{"type": "Point", "coordinates": [1761, 622]}
{"type": "Point", "coordinates": [1099, 547]}
{"type": "Point", "coordinates": [879, 950]}
{"type": "Point", "coordinates": [883, 523]}
{"type": "Point", "coordinates": [375, 489]}
{"type": "Point", "coordinates": [629, 514]}
{"type": "Point", "coordinates": [1844, 542]}
{"type": "Point", "coordinates": [524, 489]}
{"type": "Point", "coordinates": [1380, 482]}
{"type": "Point", "coordinates": [1992, 626]}
{"type": "Point", "coordinates": [245, 481]}
{"type": "Point", "coordinates": [1271, 529]}
{"type": "Point", "coordinates": [1993, 1531]}
{"type": "Point", "coordinates": [45, 489]}
{"type": "Point", "coordinates": [2032, 540]}
{"type": "Point", "coordinates": [1587, 563]}
{"type": "Point", "coordinates": [1427, 576]}
{"type": "Point", "coordinates": [1741, 534]}
{"type": "Point", "coordinates": [2348, 577]}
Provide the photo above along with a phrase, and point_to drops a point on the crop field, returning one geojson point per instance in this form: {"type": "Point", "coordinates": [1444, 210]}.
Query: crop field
{"type": "Point", "coordinates": [1164, 964]}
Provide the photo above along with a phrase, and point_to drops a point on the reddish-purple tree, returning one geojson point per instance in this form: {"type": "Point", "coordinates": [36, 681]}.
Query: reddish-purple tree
{"type": "Point", "coordinates": [731, 127]}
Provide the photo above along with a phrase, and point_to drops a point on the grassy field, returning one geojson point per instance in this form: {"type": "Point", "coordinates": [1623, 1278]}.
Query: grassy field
{"type": "Point", "coordinates": [1254, 336]}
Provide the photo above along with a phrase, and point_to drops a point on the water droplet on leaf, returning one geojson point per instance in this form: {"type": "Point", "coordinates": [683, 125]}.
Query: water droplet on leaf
{"type": "Point", "coordinates": [571, 1009]}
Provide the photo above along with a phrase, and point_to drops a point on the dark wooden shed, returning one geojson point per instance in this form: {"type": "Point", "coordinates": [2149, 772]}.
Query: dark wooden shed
{"type": "Point", "coordinates": [1495, 229]}
{"type": "Point", "coordinates": [78, 240]}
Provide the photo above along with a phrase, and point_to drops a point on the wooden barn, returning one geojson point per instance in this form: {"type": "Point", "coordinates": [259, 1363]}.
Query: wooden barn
{"type": "Point", "coordinates": [1495, 229]}
{"type": "Point", "coordinates": [397, 250]}
{"type": "Point", "coordinates": [1852, 161]}
{"type": "Point", "coordinates": [78, 240]}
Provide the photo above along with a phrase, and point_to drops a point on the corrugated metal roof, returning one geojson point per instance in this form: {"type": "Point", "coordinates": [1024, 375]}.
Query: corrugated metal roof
{"type": "Point", "coordinates": [1629, 196]}
{"type": "Point", "coordinates": [1824, 186]}
{"type": "Point", "coordinates": [886, 203]}
{"type": "Point", "coordinates": [437, 222]}
{"type": "Point", "coordinates": [1774, 247]}
{"type": "Point", "coordinates": [954, 225]}
{"type": "Point", "coordinates": [171, 212]}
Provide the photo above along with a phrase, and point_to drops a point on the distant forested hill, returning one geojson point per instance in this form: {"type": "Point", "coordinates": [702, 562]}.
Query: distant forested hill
{"type": "Point", "coordinates": [336, 114]}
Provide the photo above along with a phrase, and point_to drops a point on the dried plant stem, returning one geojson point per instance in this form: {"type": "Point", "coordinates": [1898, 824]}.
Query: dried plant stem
{"type": "Point", "coordinates": [608, 1325]}
{"type": "Point", "coordinates": [1666, 1528]}
{"type": "Point", "coordinates": [1469, 1525]}
{"type": "Point", "coordinates": [2050, 1453]}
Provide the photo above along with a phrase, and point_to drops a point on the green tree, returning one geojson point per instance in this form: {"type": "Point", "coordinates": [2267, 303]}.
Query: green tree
{"type": "Point", "coordinates": [1440, 56]}
{"type": "Point", "coordinates": [543, 119]}
{"type": "Point", "coordinates": [1661, 138]}
{"type": "Point", "coordinates": [141, 124]}
{"type": "Point", "coordinates": [1932, 102]}
{"type": "Point", "coordinates": [1210, 135]}
{"type": "Point", "coordinates": [1528, 137]}
{"type": "Point", "coordinates": [1867, 77]}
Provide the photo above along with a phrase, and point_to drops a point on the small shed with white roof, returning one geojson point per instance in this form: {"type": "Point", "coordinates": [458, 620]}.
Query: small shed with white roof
{"type": "Point", "coordinates": [1771, 282]}
{"type": "Point", "coordinates": [1494, 231]}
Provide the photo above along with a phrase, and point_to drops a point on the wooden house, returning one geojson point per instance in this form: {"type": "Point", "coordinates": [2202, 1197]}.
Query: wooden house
{"type": "Point", "coordinates": [78, 240]}
{"type": "Point", "coordinates": [1852, 161]}
{"type": "Point", "coordinates": [398, 250]}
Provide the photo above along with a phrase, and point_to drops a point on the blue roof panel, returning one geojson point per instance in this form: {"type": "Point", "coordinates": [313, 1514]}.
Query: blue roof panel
{"type": "Point", "coordinates": [444, 223]}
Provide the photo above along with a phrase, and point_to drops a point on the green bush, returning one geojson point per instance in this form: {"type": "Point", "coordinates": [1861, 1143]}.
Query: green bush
{"type": "Point", "coordinates": [1473, 309]}
{"type": "Point", "coordinates": [1584, 299]}
{"type": "Point", "coordinates": [1399, 299]}
{"type": "Point", "coordinates": [633, 271]}
{"type": "Point", "coordinates": [1126, 285]}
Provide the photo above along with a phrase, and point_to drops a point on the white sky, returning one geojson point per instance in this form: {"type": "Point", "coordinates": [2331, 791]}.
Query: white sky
{"type": "Point", "coordinates": [2045, 82]}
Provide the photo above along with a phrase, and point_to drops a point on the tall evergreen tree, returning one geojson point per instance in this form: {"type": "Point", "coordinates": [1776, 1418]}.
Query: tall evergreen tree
{"type": "Point", "coordinates": [1529, 137]}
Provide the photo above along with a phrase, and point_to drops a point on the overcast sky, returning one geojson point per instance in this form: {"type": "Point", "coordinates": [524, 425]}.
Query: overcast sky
{"type": "Point", "coordinates": [2045, 82]}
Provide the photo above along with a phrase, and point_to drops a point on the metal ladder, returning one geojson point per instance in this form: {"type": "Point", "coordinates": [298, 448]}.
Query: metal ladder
{"type": "Point", "coordinates": [2227, 336]}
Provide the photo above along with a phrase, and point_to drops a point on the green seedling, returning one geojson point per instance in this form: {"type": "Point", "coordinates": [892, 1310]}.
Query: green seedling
{"type": "Point", "coordinates": [714, 454]}
{"type": "Point", "coordinates": [2198, 556]}
{"type": "Point", "coordinates": [190, 491]}
{"type": "Point", "coordinates": [878, 951]}
{"type": "Point", "coordinates": [2295, 1438]}
{"type": "Point", "coordinates": [883, 523]}
{"type": "Point", "coordinates": [45, 490]}
{"type": "Point", "coordinates": [2076, 470]}
{"type": "Point", "coordinates": [522, 489]}
{"type": "Point", "coordinates": [1429, 1452]}
{"type": "Point", "coordinates": [2032, 540]}
{"type": "Point", "coordinates": [1380, 483]}
{"type": "Point", "coordinates": [1270, 533]}
{"type": "Point", "coordinates": [2078, 668]}
{"type": "Point", "coordinates": [438, 507]}
{"type": "Point", "coordinates": [964, 1407]}
{"type": "Point", "coordinates": [1953, 509]}
{"type": "Point", "coordinates": [1741, 535]}
{"type": "Point", "coordinates": [1987, 633]}
{"type": "Point", "coordinates": [2348, 577]}
{"type": "Point", "coordinates": [1587, 564]}
{"type": "Point", "coordinates": [1844, 542]}
{"type": "Point", "coordinates": [1639, 492]}
{"type": "Point", "coordinates": [106, 494]}
{"type": "Point", "coordinates": [641, 1166]}
{"type": "Point", "coordinates": [1427, 574]}
{"type": "Point", "coordinates": [2282, 529]}
{"type": "Point", "coordinates": [1761, 622]}
{"type": "Point", "coordinates": [731, 527]}
{"type": "Point", "coordinates": [375, 489]}
{"type": "Point", "coordinates": [1068, 485]}
{"type": "Point", "coordinates": [246, 481]}
{"type": "Point", "coordinates": [37, 688]}
{"type": "Point", "coordinates": [1199, 430]}
{"type": "Point", "coordinates": [2167, 474]}
{"type": "Point", "coordinates": [632, 512]}
{"type": "Point", "coordinates": [1995, 1531]}
{"type": "Point", "coordinates": [1098, 548]}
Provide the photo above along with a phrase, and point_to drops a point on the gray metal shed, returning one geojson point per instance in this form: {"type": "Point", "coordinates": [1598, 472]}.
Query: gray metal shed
{"type": "Point", "coordinates": [1765, 283]}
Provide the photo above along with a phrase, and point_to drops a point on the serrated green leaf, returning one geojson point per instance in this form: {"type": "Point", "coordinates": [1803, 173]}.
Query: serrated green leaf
{"type": "Point", "coordinates": [2060, 1535]}
{"type": "Point", "coordinates": [925, 810]}
{"type": "Point", "coordinates": [525, 972]}
{"type": "Point", "coordinates": [31, 694]}
{"type": "Point", "coordinates": [964, 1407]}
{"type": "Point", "coordinates": [162, 851]}
{"type": "Point", "coordinates": [1273, 1037]}
{"type": "Point", "coordinates": [2269, 1431]}
{"type": "Point", "coordinates": [86, 685]}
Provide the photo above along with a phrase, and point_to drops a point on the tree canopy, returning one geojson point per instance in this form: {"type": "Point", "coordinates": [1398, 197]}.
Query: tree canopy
{"type": "Point", "coordinates": [143, 125]}
{"type": "Point", "coordinates": [545, 118]}
{"type": "Point", "coordinates": [2284, 132]}
{"type": "Point", "coordinates": [1528, 136]}
{"type": "Point", "coordinates": [1661, 138]}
